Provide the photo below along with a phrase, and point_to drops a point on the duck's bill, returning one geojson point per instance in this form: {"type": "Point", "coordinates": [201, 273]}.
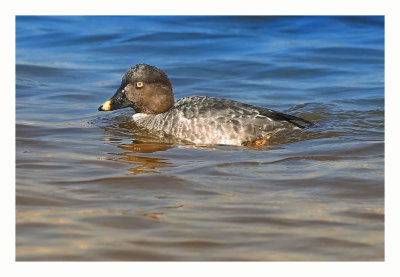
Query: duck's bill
{"type": "Point", "coordinates": [118, 101]}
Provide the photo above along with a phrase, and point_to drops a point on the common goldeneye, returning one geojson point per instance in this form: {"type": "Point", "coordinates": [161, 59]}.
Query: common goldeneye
{"type": "Point", "coordinates": [197, 119]}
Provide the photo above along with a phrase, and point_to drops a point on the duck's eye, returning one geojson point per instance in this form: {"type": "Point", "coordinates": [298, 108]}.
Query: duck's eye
{"type": "Point", "coordinates": [139, 84]}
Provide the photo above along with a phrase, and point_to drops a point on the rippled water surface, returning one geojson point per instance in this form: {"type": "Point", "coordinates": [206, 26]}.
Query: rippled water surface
{"type": "Point", "coordinates": [93, 186]}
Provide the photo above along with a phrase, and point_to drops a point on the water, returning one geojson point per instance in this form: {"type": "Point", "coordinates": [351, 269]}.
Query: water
{"type": "Point", "coordinates": [93, 186]}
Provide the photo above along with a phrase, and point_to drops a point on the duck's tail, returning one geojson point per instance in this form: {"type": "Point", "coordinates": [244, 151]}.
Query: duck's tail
{"type": "Point", "coordinates": [295, 120]}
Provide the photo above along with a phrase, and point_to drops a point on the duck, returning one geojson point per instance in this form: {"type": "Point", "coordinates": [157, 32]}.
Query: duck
{"type": "Point", "coordinates": [200, 120]}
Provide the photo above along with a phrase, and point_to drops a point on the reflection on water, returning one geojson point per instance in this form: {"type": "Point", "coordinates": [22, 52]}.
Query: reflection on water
{"type": "Point", "coordinates": [93, 186]}
{"type": "Point", "coordinates": [142, 142]}
{"type": "Point", "coordinates": [142, 164]}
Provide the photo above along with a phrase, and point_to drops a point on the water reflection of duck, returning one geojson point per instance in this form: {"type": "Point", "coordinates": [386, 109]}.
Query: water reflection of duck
{"type": "Point", "coordinates": [142, 164]}
{"type": "Point", "coordinates": [197, 119]}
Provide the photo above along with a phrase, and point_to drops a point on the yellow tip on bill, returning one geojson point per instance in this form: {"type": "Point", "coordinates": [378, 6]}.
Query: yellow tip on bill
{"type": "Point", "coordinates": [107, 106]}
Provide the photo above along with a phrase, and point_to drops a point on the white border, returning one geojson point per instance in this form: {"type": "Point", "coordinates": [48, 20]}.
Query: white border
{"type": "Point", "coordinates": [281, 7]}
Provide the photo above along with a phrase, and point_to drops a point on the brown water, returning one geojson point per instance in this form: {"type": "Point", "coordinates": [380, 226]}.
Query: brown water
{"type": "Point", "coordinates": [93, 186]}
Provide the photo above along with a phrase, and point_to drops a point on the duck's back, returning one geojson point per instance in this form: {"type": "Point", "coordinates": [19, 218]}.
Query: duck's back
{"type": "Point", "coordinates": [209, 120]}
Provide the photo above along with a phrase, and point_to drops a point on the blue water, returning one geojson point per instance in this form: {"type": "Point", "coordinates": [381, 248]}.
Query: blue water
{"type": "Point", "coordinates": [92, 186]}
